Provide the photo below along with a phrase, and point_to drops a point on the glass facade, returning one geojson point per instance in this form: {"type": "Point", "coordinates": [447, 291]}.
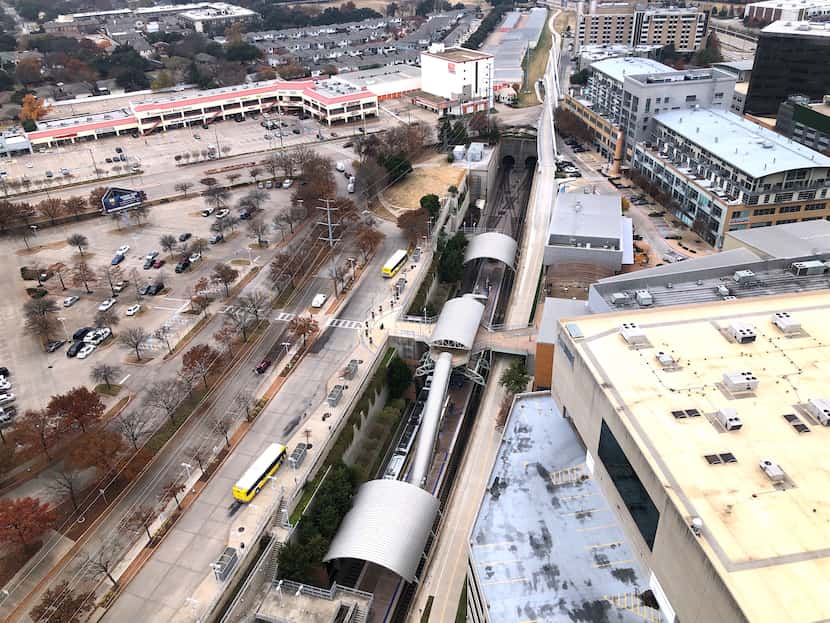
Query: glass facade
{"type": "Point", "coordinates": [787, 64]}
{"type": "Point", "coordinates": [628, 485]}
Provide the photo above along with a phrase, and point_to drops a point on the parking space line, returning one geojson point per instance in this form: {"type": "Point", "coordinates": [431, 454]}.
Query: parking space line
{"type": "Point", "coordinates": [605, 565]}
{"type": "Point", "coordinates": [499, 562]}
{"type": "Point", "coordinates": [124, 380]}
{"type": "Point", "coordinates": [511, 581]}
{"type": "Point", "coordinates": [602, 527]}
{"type": "Point", "coordinates": [603, 545]}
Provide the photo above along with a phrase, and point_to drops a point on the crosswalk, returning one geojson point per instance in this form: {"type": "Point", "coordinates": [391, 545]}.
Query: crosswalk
{"type": "Point", "coordinates": [285, 317]}
{"type": "Point", "coordinates": [338, 323]}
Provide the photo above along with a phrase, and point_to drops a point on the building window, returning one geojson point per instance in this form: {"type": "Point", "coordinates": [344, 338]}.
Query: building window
{"type": "Point", "coordinates": [565, 350]}
{"type": "Point", "coordinates": [628, 485]}
{"type": "Point", "coordinates": [785, 221]}
{"type": "Point", "coordinates": [739, 214]}
{"type": "Point", "coordinates": [691, 98]}
{"type": "Point", "coordinates": [763, 212]}
{"type": "Point", "coordinates": [814, 206]}
{"type": "Point", "coordinates": [789, 209]}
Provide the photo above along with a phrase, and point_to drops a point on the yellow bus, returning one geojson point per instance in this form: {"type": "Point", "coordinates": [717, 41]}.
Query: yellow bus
{"type": "Point", "coordinates": [394, 263]}
{"type": "Point", "coordinates": [257, 474]}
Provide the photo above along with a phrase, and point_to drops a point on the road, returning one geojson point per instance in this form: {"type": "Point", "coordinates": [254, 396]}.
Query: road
{"type": "Point", "coordinates": [173, 572]}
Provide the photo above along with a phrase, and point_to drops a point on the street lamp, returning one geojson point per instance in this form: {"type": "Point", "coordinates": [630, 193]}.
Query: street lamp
{"type": "Point", "coordinates": [94, 164]}
{"type": "Point", "coordinates": [63, 324]}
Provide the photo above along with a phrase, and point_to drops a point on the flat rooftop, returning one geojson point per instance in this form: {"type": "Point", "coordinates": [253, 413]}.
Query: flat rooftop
{"type": "Point", "coordinates": [798, 29]}
{"type": "Point", "coordinates": [742, 144]}
{"type": "Point", "coordinates": [619, 68]}
{"type": "Point", "coordinates": [788, 240]}
{"type": "Point", "coordinates": [545, 544]}
{"type": "Point", "coordinates": [764, 539]}
{"type": "Point", "coordinates": [797, 4]}
{"type": "Point", "coordinates": [68, 122]}
{"type": "Point", "coordinates": [591, 216]}
{"type": "Point", "coordinates": [459, 55]}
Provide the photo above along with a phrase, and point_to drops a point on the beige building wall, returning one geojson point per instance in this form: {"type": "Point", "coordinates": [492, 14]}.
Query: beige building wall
{"type": "Point", "coordinates": [691, 584]}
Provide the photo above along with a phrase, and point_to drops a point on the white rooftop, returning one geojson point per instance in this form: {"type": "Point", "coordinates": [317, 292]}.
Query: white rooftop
{"type": "Point", "coordinates": [619, 68]}
{"type": "Point", "coordinates": [744, 145]}
{"type": "Point", "coordinates": [591, 216]}
{"type": "Point", "coordinates": [790, 4]}
{"type": "Point", "coordinates": [787, 240]}
{"type": "Point", "coordinates": [812, 29]}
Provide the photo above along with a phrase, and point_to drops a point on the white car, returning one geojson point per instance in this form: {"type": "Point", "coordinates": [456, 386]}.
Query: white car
{"type": "Point", "coordinates": [120, 286]}
{"type": "Point", "coordinates": [5, 384]}
{"type": "Point", "coordinates": [106, 305]}
{"type": "Point", "coordinates": [207, 211]}
{"type": "Point", "coordinates": [287, 183]}
{"type": "Point", "coordinates": [69, 301]}
{"type": "Point", "coordinates": [194, 257]}
{"type": "Point", "coordinates": [7, 398]}
{"type": "Point", "coordinates": [151, 255]}
{"type": "Point", "coordinates": [96, 336]}
{"type": "Point", "coordinates": [340, 166]}
{"type": "Point", "coordinates": [122, 250]}
{"type": "Point", "coordinates": [222, 213]}
{"type": "Point", "coordinates": [132, 310]}
{"type": "Point", "coordinates": [86, 351]}
{"type": "Point", "coordinates": [318, 301]}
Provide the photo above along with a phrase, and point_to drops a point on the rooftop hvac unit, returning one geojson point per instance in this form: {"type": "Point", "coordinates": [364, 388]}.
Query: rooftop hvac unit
{"type": "Point", "coordinates": [633, 334]}
{"type": "Point", "coordinates": [742, 332]}
{"type": "Point", "coordinates": [644, 298]}
{"type": "Point", "coordinates": [620, 298]}
{"type": "Point", "coordinates": [786, 323]}
{"type": "Point", "coordinates": [723, 290]}
{"type": "Point", "coordinates": [820, 409]}
{"type": "Point", "coordinates": [744, 276]}
{"type": "Point", "coordinates": [728, 418]}
{"type": "Point", "coordinates": [664, 359]}
{"type": "Point", "coordinates": [810, 267]}
{"type": "Point", "coordinates": [740, 381]}
{"type": "Point", "coordinates": [772, 470]}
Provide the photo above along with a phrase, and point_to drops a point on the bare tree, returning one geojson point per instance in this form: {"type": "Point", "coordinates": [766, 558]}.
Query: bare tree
{"type": "Point", "coordinates": [168, 243]}
{"type": "Point", "coordinates": [241, 322]}
{"type": "Point", "coordinates": [165, 397]}
{"type": "Point", "coordinates": [67, 483]}
{"type": "Point", "coordinates": [171, 491]}
{"type": "Point", "coordinates": [104, 373]}
{"type": "Point", "coordinates": [245, 402]}
{"type": "Point", "coordinates": [107, 318]}
{"type": "Point", "coordinates": [39, 315]}
{"type": "Point", "coordinates": [200, 456]}
{"type": "Point", "coordinates": [216, 196]}
{"type": "Point", "coordinates": [79, 241]}
{"type": "Point", "coordinates": [111, 275]}
{"type": "Point", "coordinates": [183, 187]}
{"type": "Point", "coordinates": [255, 173]}
{"type": "Point", "coordinates": [224, 274]}
{"type": "Point", "coordinates": [103, 562]}
{"type": "Point", "coordinates": [232, 177]}
{"type": "Point", "coordinates": [163, 333]}
{"type": "Point", "coordinates": [337, 274]}
{"type": "Point", "coordinates": [254, 303]}
{"type": "Point", "coordinates": [59, 268]}
{"type": "Point", "coordinates": [83, 274]}
{"type": "Point", "coordinates": [257, 228]}
{"type": "Point", "coordinates": [135, 338]}
{"type": "Point", "coordinates": [141, 519]}
{"type": "Point", "coordinates": [222, 425]}
{"type": "Point", "coordinates": [133, 427]}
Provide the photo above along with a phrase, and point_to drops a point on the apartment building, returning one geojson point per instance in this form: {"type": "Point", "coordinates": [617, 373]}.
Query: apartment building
{"type": "Point", "coordinates": [642, 24]}
{"type": "Point", "coordinates": [791, 59]}
{"type": "Point", "coordinates": [455, 80]}
{"type": "Point", "coordinates": [624, 94]}
{"type": "Point", "coordinates": [806, 122]}
{"type": "Point", "coordinates": [725, 173]}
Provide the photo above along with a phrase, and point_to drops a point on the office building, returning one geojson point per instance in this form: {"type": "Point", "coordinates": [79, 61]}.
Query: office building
{"type": "Point", "coordinates": [590, 54]}
{"type": "Point", "coordinates": [705, 427]}
{"type": "Point", "coordinates": [791, 59]}
{"type": "Point", "coordinates": [455, 80]}
{"type": "Point", "coordinates": [725, 173]}
{"type": "Point", "coordinates": [805, 122]}
{"type": "Point", "coordinates": [642, 24]}
{"type": "Point", "coordinates": [624, 94]}
{"type": "Point", "coordinates": [769, 11]}
{"type": "Point", "coordinates": [783, 241]}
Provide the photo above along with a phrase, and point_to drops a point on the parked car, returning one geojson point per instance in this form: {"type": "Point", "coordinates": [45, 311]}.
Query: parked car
{"type": "Point", "coordinates": [269, 184]}
{"type": "Point", "coordinates": [145, 289]}
{"type": "Point", "coordinates": [86, 351]}
{"type": "Point", "coordinates": [194, 257]}
{"type": "Point", "coordinates": [69, 301]}
{"type": "Point", "coordinates": [318, 301]}
{"type": "Point", "coordinates": [151, 255]}
{"type": "Point", "coordinates": [347, 144]}
{"type": "Point", "coordinates": [244, 215]}
{"type": "Point", "coordinates": [98, 336]}
{"type": "Point", "coordinates": [222, 213]}
{"type": "Point", "coordinates": [117, 260]}
{"type": "Point", "coordinates": [120, 286]}
{"type": "Point", "coordinates": [64, 171]}
{"type": "Point", "coordinates": [263, 366]}
{"type": "Point", "coordinates": [216, 238]}
{"type": "Point", "coordinates": [182, 266]}
{"type": "Point", "coordinates": [73, 349]}
{"type": "Point", "coordinates": [108, 160]}
{"type": "Point", "coordinates": [148, 263]}
{"type": "Point", "coordinates": [49, 174]}
{"type": "Point", "coordinates": [155, 289]}
{"type": "Point", "coordinates": [4, 371]}
{"type": "Point", "coordinates": [106, 304]}
{"type": "Point", "coordinates": [5, 419]}
{"type": "Point", "coordinates": [118, 150]}
{"type": "Point", "coordinates": [208, 211]}
{"type": "Point", "coordinates": [7, 398]}
{"type": "Point", "coordinates": [158, 263]}
{"type": "Point", "coordinates": [340, 166]}
{"type": "Point", "coordinates": [287, 183]}
{"type": "Point", "coordinates": [122, 157]}
{"type": "Point", "coordinates": [5, 384]}
{"type": "Point", "coordinates": [80, 333]}
{"type": "Point", "coordinates": [185, 236]}
{"type": "Point", "coordinates": [51, 347]}
{"type": "Point", "coordinates": [132, 310]}
{"type": "Point", "coordinates": [297, 131]}
{"type": "Point", "coordinates": [122, 250]}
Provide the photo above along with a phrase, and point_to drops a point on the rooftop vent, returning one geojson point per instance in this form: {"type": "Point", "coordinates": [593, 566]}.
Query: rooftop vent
{"type": "Point", "coordinates": [644, 298]}
{"type": "Point", "coordinates": [723, 290]}
{"type": "Point", "coordinates": [742, 332]}
{"type": "Point", "coordinates": [820, 409]}
{"type": "Point", "coordinates": [772, 470]}
{"type": "Point", "coordinates": [665, 359]}
{"type": "Point", "coordinates": [633, 334]}
{"type": "Point", "coordinates": [786, 323]}
{"type": "Point", "coordinates": [744, 276]}
{"type": "Point", "coordinates": [809, 267]}
{"type": "Point", "coordinates": [794, 421]}
{"type": "Point", "coordinates": [728, 418]}
{"type": "Point", "coordinates": [620, 298]}
{"type": "Point", "coordinates": [740, 381]}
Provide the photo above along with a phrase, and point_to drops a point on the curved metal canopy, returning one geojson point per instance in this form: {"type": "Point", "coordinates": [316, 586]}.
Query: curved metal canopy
{"type": "Point", "coordinates": [458, 323]}
{"type": "Point", "coordinates": [494, 246]}
{"type": "Point", "coordinates": [388, 524]}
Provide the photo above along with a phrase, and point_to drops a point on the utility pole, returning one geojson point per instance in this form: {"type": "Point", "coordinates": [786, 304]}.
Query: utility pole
{"type": "Point", "coordinates": [328, 224]}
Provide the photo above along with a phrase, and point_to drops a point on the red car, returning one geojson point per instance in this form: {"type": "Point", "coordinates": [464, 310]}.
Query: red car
{"type": "Point", "coordinates": [263, 366]}
{"type": "Point", "coordinates": [158, 263]}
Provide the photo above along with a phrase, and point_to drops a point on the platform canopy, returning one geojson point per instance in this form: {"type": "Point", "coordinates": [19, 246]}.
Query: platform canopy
{"type": "Point", "coordinates": [388, 524]}
{"type": "Point", "coordinates": [492, 245]}
{"type": "Point", "coordinates": [458, 323]}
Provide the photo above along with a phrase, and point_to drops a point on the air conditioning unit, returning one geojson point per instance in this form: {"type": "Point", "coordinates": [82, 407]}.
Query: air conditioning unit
{"type": "Point", "coordinates": [620, 298]}
{"type": "Point", "coordinates": [742, 332]}
{"type": "Point", "coordinates": [740, 381]}
{"type": "Point", "coordinates": [664, 359]}
{"type": "Point", "coordinates": [633, 334]}
{"type": "Point", "coordinates": [810, 267]}
{"type": "Point", "coordinates": [744, 276]}
{"type": "Point", "coordinates": [820, 409]}
{"type": "Point", "coordinates": [772, 470]}
{"type": "Point", "coordinates": [786, 323]}
{"type": "Point", "coordinates": [723, 290]}
{"type": "Point", "coordinates": [728, 418]}
{"type": "Point", "coordinates": [644, 298]}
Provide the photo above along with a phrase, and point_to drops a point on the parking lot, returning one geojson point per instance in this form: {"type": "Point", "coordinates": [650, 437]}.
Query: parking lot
{"type": "Point", "coordinates": [33, 370]}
